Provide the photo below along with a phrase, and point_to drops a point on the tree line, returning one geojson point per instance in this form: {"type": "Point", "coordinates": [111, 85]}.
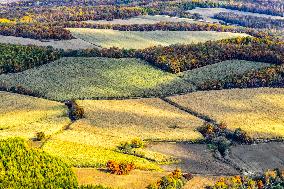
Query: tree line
{"type": "Point", "coordinates": [249, 20]}
{"type": "Point", "coordinates": [17, 58]}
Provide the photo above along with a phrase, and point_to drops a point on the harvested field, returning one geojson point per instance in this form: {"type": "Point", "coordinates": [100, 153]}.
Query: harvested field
{"type": "Point", "coordinates": [257, 111]}
{"type": "Point", "coordinates": [72, 44]}
{"type": "Point", "coordinates": [85, 78]}
{"type": "Point", "coordinates": [258, 158]}
{"type": "Point", "coordinates": [221, 70]}
{"type": "Point", "coordinates": [194, 158]}
{"type": "Point", "coordinates": [144, 19]}
{"type": "Point", "coordinates": [200, 182]}
{"type": "Point", "coordinates": [143, 39]}
{"type": "Point", "coordinates": [137, 179]}
{"type": "Point", "coordinates": [23, 116]}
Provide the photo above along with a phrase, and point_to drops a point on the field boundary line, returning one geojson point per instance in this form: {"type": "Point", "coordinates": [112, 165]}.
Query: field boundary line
{"type": "Point", "coordinates": [204, 117]}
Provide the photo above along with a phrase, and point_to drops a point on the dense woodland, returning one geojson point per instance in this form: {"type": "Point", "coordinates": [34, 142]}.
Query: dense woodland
{"type": "Point", "coordinates": [250, 21]}
{"type": "Point", "coordinates": [16, 58]}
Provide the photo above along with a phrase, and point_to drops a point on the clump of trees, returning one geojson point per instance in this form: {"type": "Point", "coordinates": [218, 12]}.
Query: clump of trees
{"type": "Point", "coordinates": [267, 77]}
{"type": "Point", "coordinates": [17, 58]}
{"type": "Point", "coordinates": [270, 179]}
{"type": "Point", "coordinates": [23, 167]}
{"type": "Point", "coordinates": [119, 168]}
{"type": "Point", "coordinates": [35, 31]}
{"type": "Point", "coordinates": [249, 20]}
{"type": "Point", "coordinates": [179, 58]}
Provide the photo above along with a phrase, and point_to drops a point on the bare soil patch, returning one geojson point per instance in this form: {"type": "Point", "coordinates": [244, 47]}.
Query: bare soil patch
{"type": "Point", "coordinates": [194, 158]}
{"type": "Point", "coordinates": [259, 157]}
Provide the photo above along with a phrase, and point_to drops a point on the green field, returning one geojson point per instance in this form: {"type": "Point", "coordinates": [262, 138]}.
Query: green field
{"type": "Point", "coordinates": [80, 78]}
{"type": "Point", "coordinates": [221, 70]}
{"type": "Point", "coordinates": [140, 40]}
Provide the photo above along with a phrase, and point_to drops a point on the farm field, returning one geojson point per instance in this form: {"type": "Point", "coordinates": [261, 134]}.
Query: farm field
{"type": "Point", "coordinates": [221, 70]}
{"type": "Point", "coordinates": [143, 39]}
{"type": "Point", "coordinates": [257, 111]}
{"type": "Point", "coordinates": [208, 13]}
{"type": "Point", "coordinates": [24, 116]}
{"type": "Point", "coordinates": [83, 78]}
{"type": "Point", "coordinates": [137, 179]}
{"type": "Point", "coordinates": [144, 19]}
{"type": "Point", "coordinates": [92, 141]}
{"type": "Point", "coordinates": [72, 44]}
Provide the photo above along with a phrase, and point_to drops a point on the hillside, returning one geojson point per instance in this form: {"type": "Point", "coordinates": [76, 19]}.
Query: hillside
{"type": "Point", "coordinates": [142, 94]}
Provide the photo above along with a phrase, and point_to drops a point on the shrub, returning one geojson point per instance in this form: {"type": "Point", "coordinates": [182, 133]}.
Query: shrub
{"type": "Point", "coordinates": [222, 144]}
{"type": "Point", "coordinates": [241, 136]}
{"type": "Point", "coordinates": [75, 112]}
{"type": "Point", "coordinates": [22, 167]}
{"type": "Point", "coordinates": [173, 181]}
{"type": "Point", "coordinates": [93, 187]}
{"type": "Point", "coordinates": [40, 136]}
{"type": "Point", "coordinates": [119, 168]}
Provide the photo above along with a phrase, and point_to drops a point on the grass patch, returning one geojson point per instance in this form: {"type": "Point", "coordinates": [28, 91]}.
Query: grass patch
{"type": "Point", "coordinates": [81, 78]}
{"type": "Point", "coordinates": [219, 71]}
{"type": "Point", "coordinates": [144, 39]}
{"type": "Point", "coordinates": [259, 112]}
{"type": "Point", "coordinates": [24, 116]}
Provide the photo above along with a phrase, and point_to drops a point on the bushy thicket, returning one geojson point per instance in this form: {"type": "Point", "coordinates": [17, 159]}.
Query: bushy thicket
{"type": "Point", "coordinates": [22, 167]}
{"type": "Point", "coordinates": [270, 180]}
{"type": "Point", "coordinates": [175, 180]}
{"type": "Point", "coordinates": [75, 112]}
{"type": "Point", "coordinates": [17, 58]}
{"type": "Point", "coordinates": [119, 168]}
{"type": "Point", "coordinates": [35, 31]}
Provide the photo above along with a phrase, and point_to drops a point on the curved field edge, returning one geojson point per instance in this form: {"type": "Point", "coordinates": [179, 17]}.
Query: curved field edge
{"type": "Point", "coordinates": [143, 39]}
{"type": "Point", "coordinates": [86, 78]}
{"type": "Point", "coordinates": [257, 111]}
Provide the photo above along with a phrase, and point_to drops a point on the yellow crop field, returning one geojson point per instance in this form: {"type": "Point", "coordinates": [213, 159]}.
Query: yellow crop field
{"type": "Point", "coordinates": [24, 116]}
{"type": "Point", "coordinates": [257, 111]}
{"type": "Point", "coordinates": [148, 119]}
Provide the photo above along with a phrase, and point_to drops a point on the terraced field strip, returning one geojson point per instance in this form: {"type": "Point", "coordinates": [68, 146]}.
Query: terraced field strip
{"type": "Point", "coordinates": [142, 39]}
{"type": "Point", "coordinates": [257, 111]}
